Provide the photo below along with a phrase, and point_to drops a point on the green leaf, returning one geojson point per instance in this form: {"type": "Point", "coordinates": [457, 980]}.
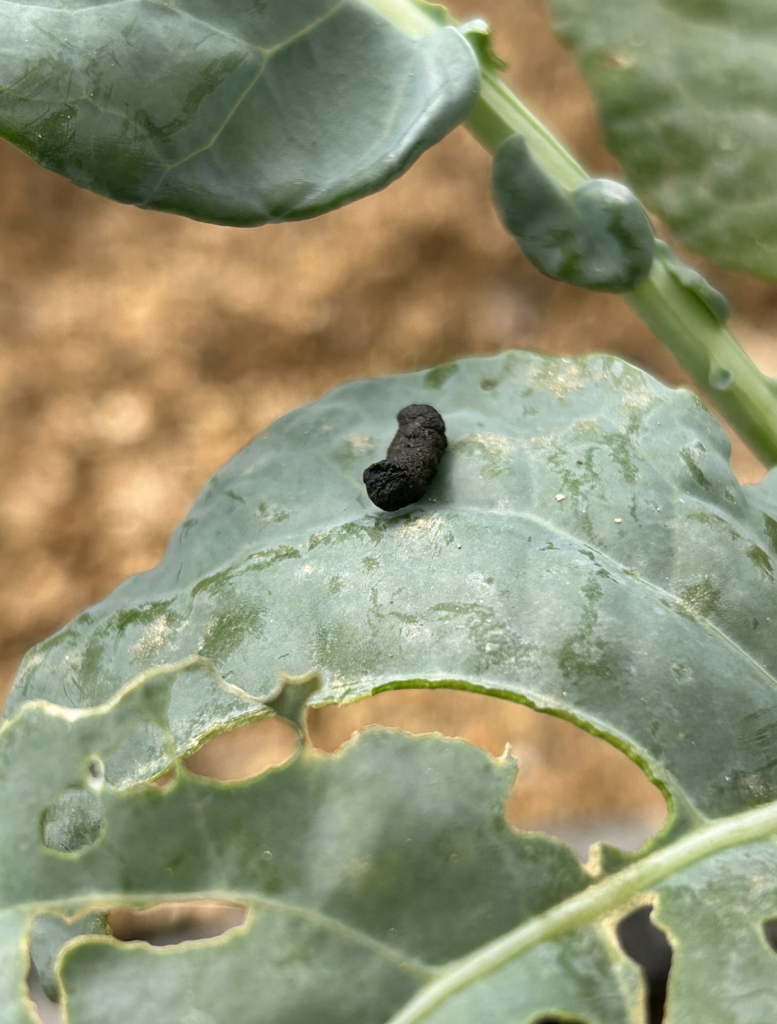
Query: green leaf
{"type": "Point", "coordinates": [640, 606]}
{"type": "Point", "coordinates": [390, 862]}
{"type": "Point", "coordinates": [49, 934]}
{"type": "Point", "coordinates": [596, 237]}
{"type": "Point", "coordinates": [727, 896]}
{"type": "Point", "coordinates": [238, 112]}
{"type": "Point", "coordinates": [385, 862]}
{"type": "Point", "coordinates": [585, 549]}
{"type": "Point", "coordinates": [687, 101]}
{"type": "Point", "coordinates": [714, 891]}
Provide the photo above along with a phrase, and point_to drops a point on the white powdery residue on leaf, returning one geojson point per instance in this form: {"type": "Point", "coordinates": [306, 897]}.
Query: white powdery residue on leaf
{"type": "Point", "coordinates": [152, 639]}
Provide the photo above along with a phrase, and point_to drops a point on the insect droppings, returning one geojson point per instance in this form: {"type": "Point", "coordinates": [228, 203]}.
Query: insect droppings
{"type": "Point", "coordinates": [411, 461]}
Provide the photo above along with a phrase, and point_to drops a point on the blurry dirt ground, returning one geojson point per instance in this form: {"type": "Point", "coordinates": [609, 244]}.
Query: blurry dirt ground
{"type": "Point", "coordinates": [139, 351]}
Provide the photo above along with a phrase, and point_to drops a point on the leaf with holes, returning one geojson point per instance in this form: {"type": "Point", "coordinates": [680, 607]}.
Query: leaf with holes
{"type": "Point", "coordinates": [687, 100]}
{"type": "Point", "coordinates": [385, 862]}
{"type": "Point", "coordinates": [583, 549]}
{"type": "Point", "coordinates": [390, 863]}
{"type": "Point", "coordinates": [239, 112]}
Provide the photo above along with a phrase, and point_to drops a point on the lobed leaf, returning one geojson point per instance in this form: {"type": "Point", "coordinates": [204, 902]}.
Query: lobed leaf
{"type": "Point", "coordinates": [234, 111]}
{"type": "Point", "coordinates": [382, 884]}
{"type": "Point", "coordinates": [385, 861]}
{"type": "Point", "coordinates": [687, 101]}
{"type": "Point", "coordinates": [584, 549]}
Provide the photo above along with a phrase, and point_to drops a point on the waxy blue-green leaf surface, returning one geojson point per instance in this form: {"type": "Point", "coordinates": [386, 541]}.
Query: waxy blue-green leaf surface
{"type": "Point", "coordinates": [597, 237]}
{"type": "Point", "coordinates": [385, 863]}
{"type": "Point", "coordinates": [235, 111]}
{"type": "Point", "coordinates": [382, 885]}
{"type": "Point", "coordinates": [49, 934]}
{"type": "Point", "coordinates": [584, 548]}
{"type": "Point", "coordinates": [688, 104]}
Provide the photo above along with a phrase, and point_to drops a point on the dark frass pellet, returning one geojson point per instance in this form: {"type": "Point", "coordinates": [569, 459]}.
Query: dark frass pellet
{"type": "Point", "coordinates": [411, 461]}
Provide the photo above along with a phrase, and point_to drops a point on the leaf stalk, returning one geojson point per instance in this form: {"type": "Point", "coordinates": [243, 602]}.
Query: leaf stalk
{"type": "Point", "coordinates": [720, 368]}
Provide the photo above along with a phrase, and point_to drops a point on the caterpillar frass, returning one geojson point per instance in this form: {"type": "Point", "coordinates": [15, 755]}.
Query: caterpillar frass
{"type": "Point", "coordinates": [411, 461]}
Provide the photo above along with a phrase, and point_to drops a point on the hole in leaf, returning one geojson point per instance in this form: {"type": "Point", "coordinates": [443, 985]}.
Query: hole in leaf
{"type": "Point", "coordinates": [646, 944]}
{"type": "Point", "coordinates": [163, 925]}
{"type": "Point", "coordinates": [165, 780]}
{"type": "Point", "coordinates": [46, 1011]}
{"type": "Point", "coordinates": [770, 931]}
{"type": "Point", "coordinates": [49, 934]}
{"type": "Point", "coordinates": [73, 822]}
{"type": "Point", "coordinates": [95, 773]}
{"type": "Point", "coordinates": [246, 751]}
{"type": "Point", "coordinates": [168, 924]}
{"type": "Point", "coordinates": [570, 784]}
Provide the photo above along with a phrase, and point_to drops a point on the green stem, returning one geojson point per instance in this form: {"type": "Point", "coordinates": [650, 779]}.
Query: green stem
{"type": "Point", "coordinates": [499, 114]}
{"type": "Point", "coordinates": [721, 369]}
{"type": "Point", "coordinates": [707, 352]}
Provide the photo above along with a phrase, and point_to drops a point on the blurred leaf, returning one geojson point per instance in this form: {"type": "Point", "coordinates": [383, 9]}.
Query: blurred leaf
{"type": "Point", "coordinates": [234, 111]}
{"type": "Point", "coordinates": [439, 13]}
{"type": "Point", "coordinates": [584, 549]}
{"type": "Point", "coordinates": [687, 100]}
{"type": "Point", "coordinates": [383, 862]}
{"type": "Point", "coordinates": [390, 862]}
{"type": "Point", "coordinates": [49, 935]}
{"type": "Point", "coordinates": [596, 237]}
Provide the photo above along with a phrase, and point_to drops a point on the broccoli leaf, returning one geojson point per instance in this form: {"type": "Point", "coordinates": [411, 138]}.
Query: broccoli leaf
{"type": "Point", "coordinates": [234, 111]}
{"type": "Point", "coordinates": [687, 101]}
{"type": "Point", "coordinates": [584, 549]}
{"type": "Point", "coordinates": [382, 886]}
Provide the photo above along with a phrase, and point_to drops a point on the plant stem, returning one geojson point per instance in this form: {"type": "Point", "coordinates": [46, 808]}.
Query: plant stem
{"type": "Point", "coordinates": [720, 368]}
{"type": "Point", "coordinates": [499, 114]}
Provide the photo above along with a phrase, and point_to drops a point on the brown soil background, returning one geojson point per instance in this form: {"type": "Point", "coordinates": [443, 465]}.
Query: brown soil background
{"type": "Point", "coordinates": [139, 351]}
